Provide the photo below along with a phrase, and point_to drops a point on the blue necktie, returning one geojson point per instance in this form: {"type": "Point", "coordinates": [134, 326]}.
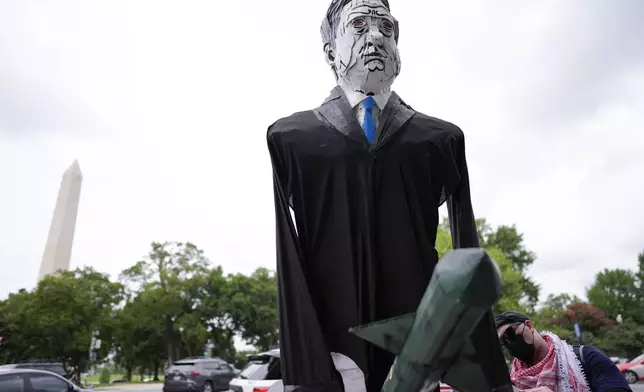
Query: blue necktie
{"type": "Point", "coordinates": [369, 125]}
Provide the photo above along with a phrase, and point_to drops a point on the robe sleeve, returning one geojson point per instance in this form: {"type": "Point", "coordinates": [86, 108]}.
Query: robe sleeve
{"type": "Point", "coordinates": [459, 203]}
{"type": "Point", "coordinates": [307, 365]}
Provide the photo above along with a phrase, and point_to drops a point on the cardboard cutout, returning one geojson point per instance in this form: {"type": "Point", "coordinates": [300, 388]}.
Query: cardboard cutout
{"type": "Point", "coordinates": [364, 175]}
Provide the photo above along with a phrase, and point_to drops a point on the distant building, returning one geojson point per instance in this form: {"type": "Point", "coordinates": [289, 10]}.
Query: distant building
{"type": "Point", "coordinates": [58, 250]}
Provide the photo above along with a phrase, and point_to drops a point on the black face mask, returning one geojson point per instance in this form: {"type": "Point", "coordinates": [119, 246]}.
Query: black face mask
{"type": "Point", "coordinates": [517, 346]}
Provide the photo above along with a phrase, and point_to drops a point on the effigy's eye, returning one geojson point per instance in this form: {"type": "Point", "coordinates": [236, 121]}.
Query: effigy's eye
{"type": "Point", "coordinates": [358, 22]}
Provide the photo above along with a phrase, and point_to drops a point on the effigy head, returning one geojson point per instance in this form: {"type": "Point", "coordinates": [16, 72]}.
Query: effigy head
{"type": "Point", "coordinates": [360, 44]}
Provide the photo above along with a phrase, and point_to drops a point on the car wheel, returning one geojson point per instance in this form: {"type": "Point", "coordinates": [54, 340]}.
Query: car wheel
{"type": "Point", "coordinates": [207, 386]}
{"type": "Point", "coordinates": [631, 377]}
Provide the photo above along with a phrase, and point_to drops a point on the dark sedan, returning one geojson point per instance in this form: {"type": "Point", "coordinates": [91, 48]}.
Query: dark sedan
{"type": "Point", "coordinates": [198, 375]}
{"type": "Point", "coordinates": [30, 380]}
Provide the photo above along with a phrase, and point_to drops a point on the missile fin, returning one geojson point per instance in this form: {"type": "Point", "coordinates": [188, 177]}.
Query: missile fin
{"type": "Point", "coordinates": [480, 365]}
{"type": "Point", "coordinates": [389, 334]}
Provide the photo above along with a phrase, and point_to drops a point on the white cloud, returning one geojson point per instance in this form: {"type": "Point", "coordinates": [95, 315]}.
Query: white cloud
{"type": "Point", "coordinates": [166, 106]}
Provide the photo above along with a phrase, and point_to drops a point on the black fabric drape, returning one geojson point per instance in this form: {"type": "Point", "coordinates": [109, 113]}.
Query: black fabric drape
{"type": "Point", "coordinates": [362, 244]}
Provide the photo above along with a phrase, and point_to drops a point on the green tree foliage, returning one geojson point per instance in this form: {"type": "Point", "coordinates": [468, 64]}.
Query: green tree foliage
{"type": "Point", "coordinates": [167, 306]}
{"type": "Point", "coordinates": [554, 306]}
{"type": "Point", "coordinates": [620, 292]}
{"type": "Point", "coordinates": [625, 339]}
{"type": "Point", "coordinates": [183, 302]}
{"type": "Point", "coordinates": [56, 320]}
{"type": "Point", "coordinates": [505, 245]}
{"type": "Point", "coordinates": [510, 242]}
{"type": "Point", "coordinates": [617, 291]}
{"type": "Point", "coordinates": [169, 270]}
{"type": "Point", "coordinates": [640, 274]}
{"type": "Point", "coordinates": [139, 339]}
{"type": "Point", "coordinates": [173, 302]}
{"type": "Point", "coordinates": [254, 307]}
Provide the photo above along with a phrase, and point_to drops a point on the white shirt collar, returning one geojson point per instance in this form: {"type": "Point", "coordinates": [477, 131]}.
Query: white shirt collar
{"type": "Point", "coordinates": [355, 98]}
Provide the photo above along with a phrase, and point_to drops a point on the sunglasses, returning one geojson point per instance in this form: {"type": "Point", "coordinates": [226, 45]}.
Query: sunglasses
{"type": "Point", "coordinates": [510, 334]}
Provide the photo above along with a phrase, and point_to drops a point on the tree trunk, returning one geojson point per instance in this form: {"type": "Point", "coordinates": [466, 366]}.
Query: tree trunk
{"type": "Point", "coordinates": [156, 370]}
{"type": "Point", "coordinates": [128, 371]}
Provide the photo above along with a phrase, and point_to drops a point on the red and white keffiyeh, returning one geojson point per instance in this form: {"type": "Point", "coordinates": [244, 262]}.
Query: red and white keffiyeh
{"type": "Point", "coordinates": [560, 370]}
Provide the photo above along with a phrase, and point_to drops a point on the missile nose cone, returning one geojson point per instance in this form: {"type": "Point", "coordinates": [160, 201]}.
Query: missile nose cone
{"type": "Point", "coordinates": [471, 276]}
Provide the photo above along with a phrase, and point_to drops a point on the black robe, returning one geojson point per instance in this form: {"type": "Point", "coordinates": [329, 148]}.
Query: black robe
{"type": "Point", "coordinates": [366, 217]}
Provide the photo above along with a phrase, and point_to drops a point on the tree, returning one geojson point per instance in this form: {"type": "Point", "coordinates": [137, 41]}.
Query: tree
{"type": "Point", "coordinates": [16, 344]}
{"type": "Point", "coordinates": [553, 308]}
{"type": "Point", "coordinates": [510, 242]}
{"type": "Point", "coordinates": [212, 295]}
{"type": "Point", "coordinates": [58, 318]}
{"type": "Point", "coordinates": [253, 305]}
{"type": "Point", "coordinates": [513, 278]}
{"type": "Point", "coordinates": [640, 273]}
{"type": "Point", "coordinates": [139, 337]}
{"type": "Point", "coordinates": [617, 292]}
{"type": "Point", "coordinates": [555, 305]}
{"type": "Point", "coordinates": [624, 339]}
{"type": "Point", "coordinates": [169, 268]}
{"type": "Point", "coordinates": [443, 239]}
{"type": "Point", "coordinates": [193, 334]}
{"type": "Point", "coordinates": [512, 288]}
{"type": "Point", "coordinates": [592, 321]}
{"type": "Point", "coordinates": [640, 279]}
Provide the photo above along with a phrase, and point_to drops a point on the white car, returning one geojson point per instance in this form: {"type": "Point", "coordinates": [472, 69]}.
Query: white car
{"type": "Point", "coordinates": [263, 374]}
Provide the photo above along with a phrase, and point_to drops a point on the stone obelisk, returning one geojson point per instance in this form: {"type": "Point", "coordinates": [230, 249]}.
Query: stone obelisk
{"type": "Point", "coordinates": [58, 250]}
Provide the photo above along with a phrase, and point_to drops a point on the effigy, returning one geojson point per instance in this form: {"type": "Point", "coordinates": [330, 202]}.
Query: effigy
{"type": "Point", "coordinates": [357, 186]}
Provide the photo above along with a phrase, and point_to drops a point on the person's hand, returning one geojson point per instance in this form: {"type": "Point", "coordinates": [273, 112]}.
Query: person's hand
{"type": "Point", "coordinates": [537, 389]}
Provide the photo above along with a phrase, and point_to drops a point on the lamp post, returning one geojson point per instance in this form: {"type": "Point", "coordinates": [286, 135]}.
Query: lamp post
{"type": "Point", "coordinates": [183, 343]}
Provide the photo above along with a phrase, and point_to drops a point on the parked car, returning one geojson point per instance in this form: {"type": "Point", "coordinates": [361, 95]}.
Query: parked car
{"type": "Point", "coordinates": [198, 374]}
{"type": "Point", "coordinates": [50, 366]}
{"type": "Point", "coordinates": [619, 360]}
{"type": "Point", "coordinates": [27, 380]}
{"type": "Point", "coordinates": [262, 374]}
{"type": "Point", "coordinates": [633, 371]}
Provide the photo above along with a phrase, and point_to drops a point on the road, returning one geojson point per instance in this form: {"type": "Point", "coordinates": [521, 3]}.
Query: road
{"type": "Point", "coordinates": [136, 388]}
{"type": "Point", "coordinates": [639, 387]}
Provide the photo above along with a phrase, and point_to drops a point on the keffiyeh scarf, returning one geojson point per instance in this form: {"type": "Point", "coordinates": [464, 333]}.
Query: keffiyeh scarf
{"type": "Point", "coordinates": [560, 370]}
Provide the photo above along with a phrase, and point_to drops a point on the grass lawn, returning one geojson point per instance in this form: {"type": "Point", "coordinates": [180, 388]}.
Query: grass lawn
{"type": "Point", "coordinates": [135, 378]}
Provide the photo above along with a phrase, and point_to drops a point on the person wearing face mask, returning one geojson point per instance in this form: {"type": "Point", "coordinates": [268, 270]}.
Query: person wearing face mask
{"type": "Point", "coordinates": [543, 361]}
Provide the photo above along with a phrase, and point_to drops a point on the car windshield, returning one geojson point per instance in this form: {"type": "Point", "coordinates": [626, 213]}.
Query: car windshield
{"type": "Point", "coordinates": [638, 359]}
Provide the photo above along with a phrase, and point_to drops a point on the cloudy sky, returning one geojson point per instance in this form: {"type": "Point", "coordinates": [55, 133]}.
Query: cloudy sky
{"type": "Point", "coordinates": [165, 104]}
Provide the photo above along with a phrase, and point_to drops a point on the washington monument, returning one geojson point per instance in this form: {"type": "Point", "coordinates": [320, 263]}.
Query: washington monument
{"type": "Point", "coordinates": [58, 250]}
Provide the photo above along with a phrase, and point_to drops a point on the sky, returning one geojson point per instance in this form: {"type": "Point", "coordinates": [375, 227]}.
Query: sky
{"type": "Point", "coordinates": [166, 104]}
